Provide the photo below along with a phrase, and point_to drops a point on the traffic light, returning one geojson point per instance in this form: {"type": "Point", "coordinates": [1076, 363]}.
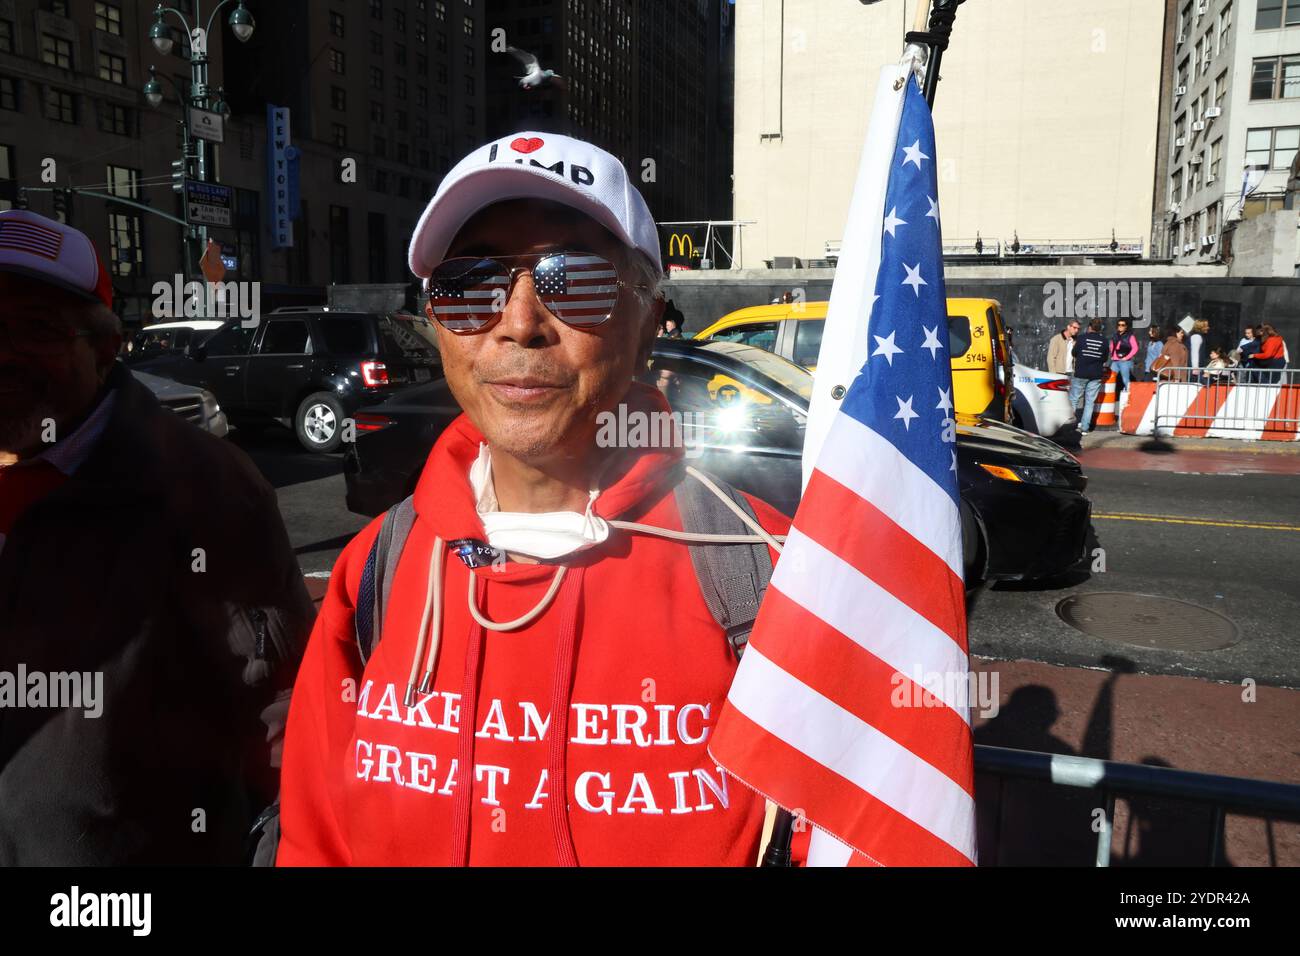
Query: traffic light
{"type": "Point", "coordinates": [178, 175]}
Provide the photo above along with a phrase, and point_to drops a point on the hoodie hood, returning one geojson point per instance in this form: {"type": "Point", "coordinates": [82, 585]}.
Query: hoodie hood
{"type": "Point", "coordinates": [635, 478]}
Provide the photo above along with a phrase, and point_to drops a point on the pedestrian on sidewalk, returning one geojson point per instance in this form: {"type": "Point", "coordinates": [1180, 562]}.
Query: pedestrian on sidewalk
{"type": "Point", "coordinates": [1196, 347]}
{"type": "Point", "coordinates": [1060, 355]}
{"type": "Point", "coordinates": [1155, 345]}
{"type": "Point", "coordinates": [1271, 354]}
{"type": "Point", "coordinates": [1089, 369]}
{"type": "Point", "coordinates": [1123, 350]}
{"type": "Point", "coordinates": [144, 557]}
{"type": "Point", "coordinates": [1172, 364]}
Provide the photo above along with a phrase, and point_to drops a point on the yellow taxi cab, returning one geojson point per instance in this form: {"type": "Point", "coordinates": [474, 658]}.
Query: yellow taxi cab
{"type": "Point", "coordinates": [977, 343]}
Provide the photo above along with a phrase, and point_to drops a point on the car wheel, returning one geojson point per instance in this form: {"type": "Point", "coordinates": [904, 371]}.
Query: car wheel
{"type": "Point", "coordinates": [973, 547]}
{"type": "Point", "coordinates": [319, 422]}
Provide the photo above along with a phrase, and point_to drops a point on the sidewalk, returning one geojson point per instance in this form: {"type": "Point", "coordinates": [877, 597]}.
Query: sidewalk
{"type": "Point", "coordinates": [1135, 718]}
{"type": "Point", "coordinates": [1109, 449]}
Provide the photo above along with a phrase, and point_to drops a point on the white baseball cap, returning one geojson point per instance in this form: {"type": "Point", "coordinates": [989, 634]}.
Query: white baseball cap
{"type": "Point", "coordinates": [55, 253]}
{"type": "Point", "coordinates": [534, 166]}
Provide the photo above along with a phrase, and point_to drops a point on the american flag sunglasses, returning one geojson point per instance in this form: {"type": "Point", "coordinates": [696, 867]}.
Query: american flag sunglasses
{"type": "Point", "coordinates": [468, 294]}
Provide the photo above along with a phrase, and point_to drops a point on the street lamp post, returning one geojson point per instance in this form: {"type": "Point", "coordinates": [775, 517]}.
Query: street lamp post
{"type": "Point", "coordinates": [199, 95]}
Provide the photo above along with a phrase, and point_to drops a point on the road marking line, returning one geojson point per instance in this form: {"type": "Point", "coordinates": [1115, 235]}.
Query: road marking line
{"type": "Point", "coordinates": [1175, 519]}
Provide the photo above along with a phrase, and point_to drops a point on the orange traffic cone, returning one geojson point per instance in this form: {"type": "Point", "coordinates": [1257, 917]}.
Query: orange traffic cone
{"type": "Point", "coordinates": [1108, 407]}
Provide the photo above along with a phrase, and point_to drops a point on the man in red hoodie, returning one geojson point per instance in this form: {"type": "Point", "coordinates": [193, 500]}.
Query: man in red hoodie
{"type": "Point", "coordinates": [550, 707]}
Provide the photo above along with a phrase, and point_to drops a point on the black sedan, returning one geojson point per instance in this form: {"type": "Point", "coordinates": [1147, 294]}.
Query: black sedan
{"type": "Point", "coordinates": [744, 410]}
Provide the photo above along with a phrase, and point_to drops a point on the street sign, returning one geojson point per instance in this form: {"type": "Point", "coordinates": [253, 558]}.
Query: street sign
{"type": "Point", "coordinates": [207, 203]}
{"type": "Point", "coordinates": [208, 125]}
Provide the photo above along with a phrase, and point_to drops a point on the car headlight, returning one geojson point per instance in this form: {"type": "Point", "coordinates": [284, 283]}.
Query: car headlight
{"type": "Point", "coordinates": [1029, 474]}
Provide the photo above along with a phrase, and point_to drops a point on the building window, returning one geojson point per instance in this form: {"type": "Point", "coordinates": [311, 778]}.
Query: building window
{"type": "Point", "coordinates": [377, 9]}
{"type": "Point", "coordinates": [112, 68]}
{"type": "Point", "coordinates": [381, 147]}
{"type": "Point", "coordinates": [439, 10]}
{"type": "Point", "coordinates": [469, 26]}
{"type": "Point", "coordinates": [442, 104]}
{"type": "Point", "coordinates": [1272, 148]}
{"type": "Point", "coordinates": [6, 36]}
{"type": "Point", "coordinates": [422, 96]}
{"type": "Point", "coordinates": [1225, 28]}
{"type": "Point", "coordinates": [399, 86]}
{"type": "Point", "coordinates": [1176, 188]}
{"type": "Point", "coordinates": [336, 23]}
{"type": "Point", "coordinates": [1216, 157]}
{"type": "Point", "coordinates": [442, 71]}
{"type": "Point", "coordinates": [8, 93]}
{"type": "Point", "coordinates": [403, 153]}
{"type": "Point", "coordinates": [422, 64]}
{"type": "Point", "coordinates": [469, 56]}
{"type": "Point", "coordinates": [421, 34]}
{"type": "Point", "coordinates": [108, 17]}
{"type": "Point", "coordinates": [7, 185]}
{"type": "Point", "coordinates": [1272, 14]}
{"type": "Point", "coordinates": [56, 51]}
{"type": "Point", "coordinates": [339, 134]}
{"type": "Point", "coordinates": [1221, 89]}
{"type": "Point", "coordinates": [337, 63]}
{"type": "Point", "coordinates": [376, 78]}
{"type": "Point", "coordinates": [57, 7]}
{"type": "Point", "coordinates": [401, 121]}
{"type": "Point", "coordinates": [421, 127]}
{"type": "Point", "coordinates": [403, 187]}
{"type": "Point", "coordinates": [399, 21]}
{"type": "Point", "coordinates": [399, 54]}
{"type": "Point", "coordinates": [376, 112]}
{"type": "Point", "coordinates": [376, 43]}
{"type": "Point", "coordinates": [338, 98]}
{"type": "Point", "coordinates": [423, 159]}
{"type": "Point", "coordinates": [442, 42]}
{"type": "Point", "coordinates": [115, 119]}
{"type": "Point", "coordinates": [469, 116]}
{"type": "Point", "coordinates": [1275, 78]}
{"type": "Point", "coordinates": [60, 106]}
{"type": "Point", "coordinates": [469, 84]}
{"type": "Point", "coordinates": [125, 249]}
{"type": "Point", "coordinates": [379, 183]}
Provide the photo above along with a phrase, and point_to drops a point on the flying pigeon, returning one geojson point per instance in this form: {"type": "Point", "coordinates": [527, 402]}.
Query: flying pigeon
{"type": "Point", "coordinates": [534, 76]}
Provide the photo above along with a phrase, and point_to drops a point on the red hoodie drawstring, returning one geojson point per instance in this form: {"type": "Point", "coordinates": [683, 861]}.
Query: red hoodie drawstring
{"type": "Point", "coordinates": [462, 807]}
{"type": "Point", "coordinates": [561, 690]}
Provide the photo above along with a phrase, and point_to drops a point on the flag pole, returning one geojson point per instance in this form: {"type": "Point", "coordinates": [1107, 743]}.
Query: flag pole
{"type": "Point", "coordinates": [935, 39]}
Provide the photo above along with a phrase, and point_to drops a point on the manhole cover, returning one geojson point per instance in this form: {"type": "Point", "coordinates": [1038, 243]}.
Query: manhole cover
{"type": "Point", "coordinates": [1145, 620]}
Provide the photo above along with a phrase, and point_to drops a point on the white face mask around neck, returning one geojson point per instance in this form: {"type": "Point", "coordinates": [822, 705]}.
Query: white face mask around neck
{"type": "Point", "coordinates": [548, 536]}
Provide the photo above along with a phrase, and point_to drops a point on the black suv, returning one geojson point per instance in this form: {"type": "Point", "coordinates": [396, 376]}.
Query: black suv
{"type": "Point", "coordinates": [306, 367]}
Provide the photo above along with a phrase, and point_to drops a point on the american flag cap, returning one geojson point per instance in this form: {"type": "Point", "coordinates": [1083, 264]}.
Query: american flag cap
{"type": "Point", "coordinates": [55, 253]}
{"type": "Point", "coordinates": [533, 165]}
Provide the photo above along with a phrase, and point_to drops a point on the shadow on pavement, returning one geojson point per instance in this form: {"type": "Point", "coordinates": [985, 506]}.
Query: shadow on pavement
{"type": "Point", "coordinates": [1034, 823]}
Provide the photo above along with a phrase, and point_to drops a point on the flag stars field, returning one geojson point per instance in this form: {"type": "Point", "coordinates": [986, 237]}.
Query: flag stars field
{"type": "Point", "coordinates": [945, 400]}
{"type": "Point", "coordinates": [892, 221]}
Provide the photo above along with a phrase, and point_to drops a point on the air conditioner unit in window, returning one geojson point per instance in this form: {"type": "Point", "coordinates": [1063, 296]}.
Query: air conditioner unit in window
{"type": "Point", "coordinates": [1201, 8]}
{"type": "Point", "coordinates": [1190, 247]}
{"type": "Point", "coordinates": [1182, 38]}
{"type": "Point", "coordinates": [1205, 240]}
{"type": "Point", "coordinates": [1181, 141]}
{"type": "Point", "coordinates": [1198, 126]}
{"type": "Point", "coordinates": [1213, 238]}
{"type": "Point", "coordinates": [1195, 160]}
{"type": "Point", "coordinates": [1180, 91]}
{"type": "Point", "coordinates": [1214, 112]}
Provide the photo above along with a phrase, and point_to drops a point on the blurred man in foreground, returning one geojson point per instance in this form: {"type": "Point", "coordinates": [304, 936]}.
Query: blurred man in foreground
{"type": "Point", "coordinates": [151, 611]}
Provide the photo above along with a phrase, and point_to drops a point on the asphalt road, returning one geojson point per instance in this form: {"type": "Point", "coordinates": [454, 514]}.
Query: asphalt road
{"type": "Point", "coordinates": [1225, 541]}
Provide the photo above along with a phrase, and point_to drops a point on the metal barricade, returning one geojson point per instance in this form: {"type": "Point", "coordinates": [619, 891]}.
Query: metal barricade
{"type": "Point", "coordinates": [1241, 796]}
{"type": "Point", "coordinates": [1235, 400]}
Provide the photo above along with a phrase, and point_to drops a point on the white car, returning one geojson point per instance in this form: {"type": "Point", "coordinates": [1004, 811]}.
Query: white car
{"type": "Point", "coordinates": [1042, 401]}
{"type": "Point", "coordinates": [165, 337]}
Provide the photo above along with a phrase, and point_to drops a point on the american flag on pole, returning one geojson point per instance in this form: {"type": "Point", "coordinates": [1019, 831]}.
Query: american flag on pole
{"type": "Point", "coordinates": [850, 705]}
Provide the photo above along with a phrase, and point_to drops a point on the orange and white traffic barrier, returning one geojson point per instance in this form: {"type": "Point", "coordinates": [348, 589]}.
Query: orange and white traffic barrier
{"type": "Point", "coordinates": [1250, 412]}
{"type": "Point", "coordinates": [1108, 407]}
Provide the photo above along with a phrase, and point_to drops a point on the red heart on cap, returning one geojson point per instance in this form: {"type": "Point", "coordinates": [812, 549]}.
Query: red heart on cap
{"type": "Point", "coordinates": [522, 145]}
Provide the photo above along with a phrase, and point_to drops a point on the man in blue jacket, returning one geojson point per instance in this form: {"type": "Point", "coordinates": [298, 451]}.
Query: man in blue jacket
{"type": "Point", "coordinates": [1089, 369]}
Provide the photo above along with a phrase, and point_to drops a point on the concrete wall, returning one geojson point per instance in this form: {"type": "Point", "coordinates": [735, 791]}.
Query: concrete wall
{"type": "Point", "coordinates": [1028, 299]}
{"type": "Point", "coordinates": [1267, 245]}
{"type": "Point", "coordinates": [1046, 119]}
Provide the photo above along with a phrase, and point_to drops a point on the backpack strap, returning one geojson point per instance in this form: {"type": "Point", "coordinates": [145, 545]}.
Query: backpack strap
{"type": "Point", "coordinates": [377, 575]}
{"type": "Point", "coordinates": [732, 577]}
